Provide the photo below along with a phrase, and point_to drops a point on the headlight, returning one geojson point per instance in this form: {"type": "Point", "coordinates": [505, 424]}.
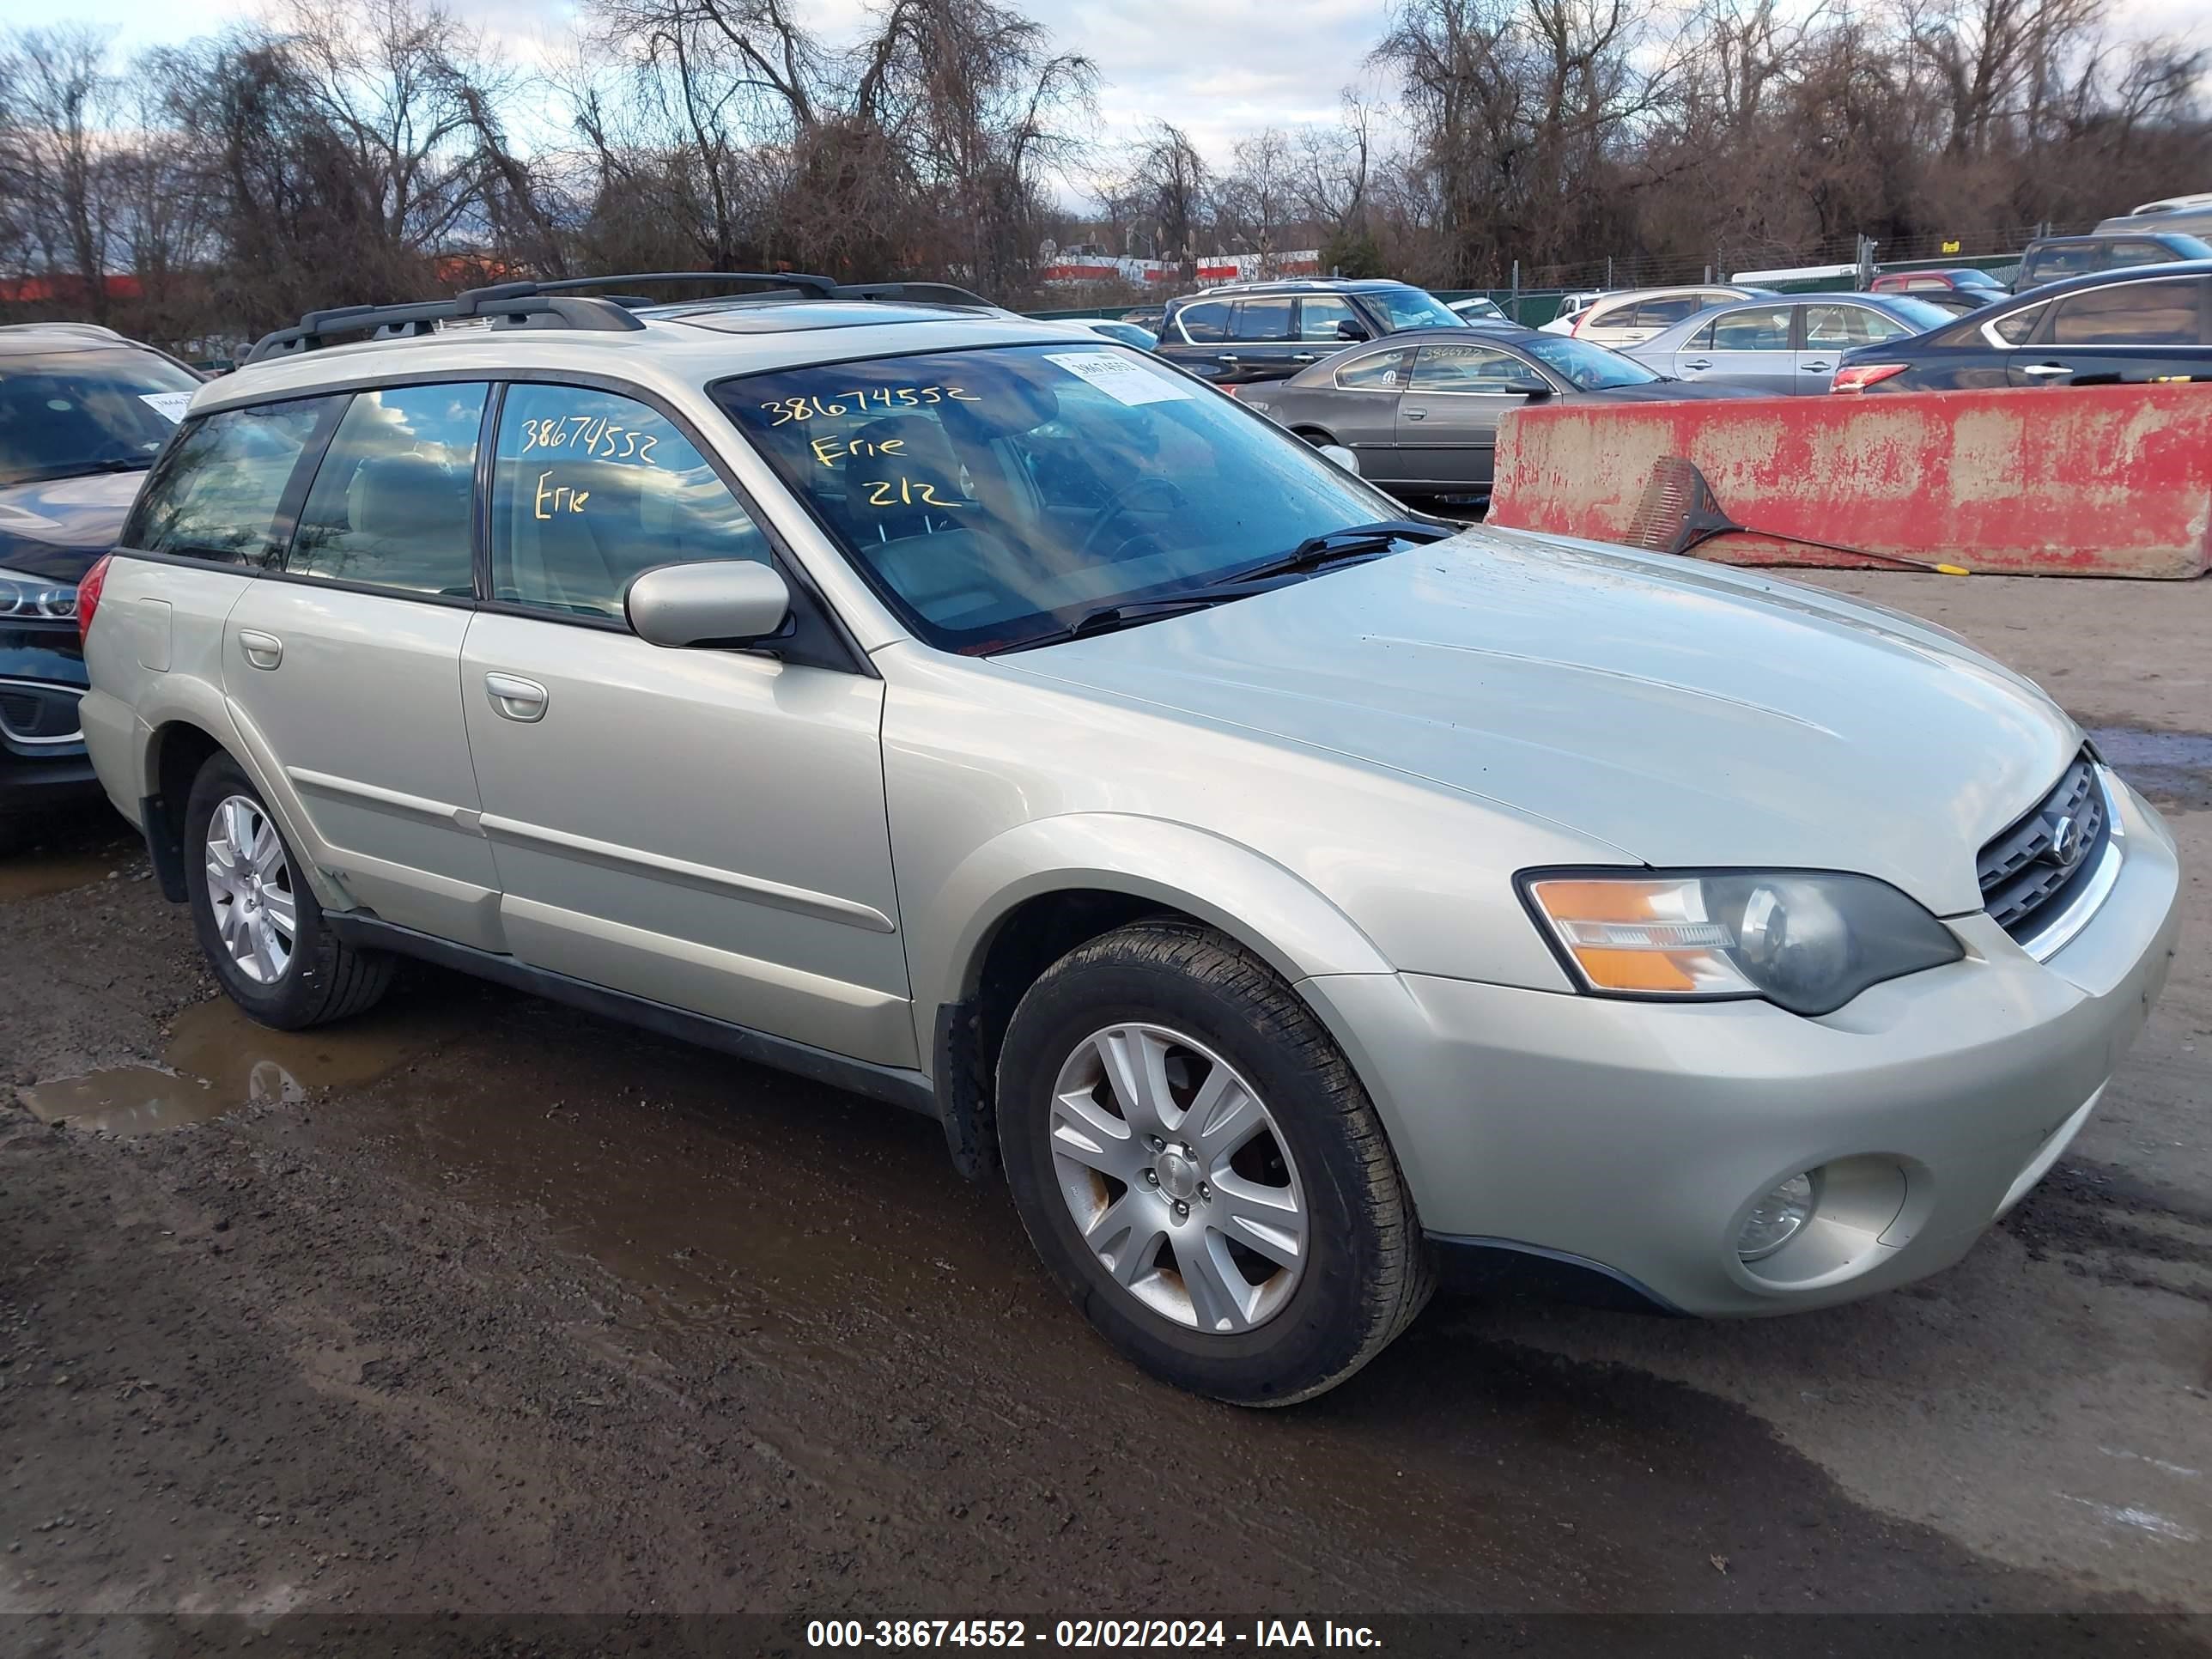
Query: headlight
{"type": "Point", "coordinates": [1808, 943]}
{"type": "Point", "coordinates": [36, 596]}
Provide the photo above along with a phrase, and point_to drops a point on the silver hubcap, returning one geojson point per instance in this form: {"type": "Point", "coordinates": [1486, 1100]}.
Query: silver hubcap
{"type": "Point", "coordinates": [250, 889]}
{"type": "Point", "coordinates": [1177, 1178]}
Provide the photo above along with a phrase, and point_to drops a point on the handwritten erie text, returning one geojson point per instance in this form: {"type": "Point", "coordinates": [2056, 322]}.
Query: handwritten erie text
{"type": "Point", "coordinates": [560, 498]}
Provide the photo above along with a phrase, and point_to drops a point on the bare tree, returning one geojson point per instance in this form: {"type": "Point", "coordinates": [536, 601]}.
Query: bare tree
{"type": "Point", "coordinates": [57, 101]}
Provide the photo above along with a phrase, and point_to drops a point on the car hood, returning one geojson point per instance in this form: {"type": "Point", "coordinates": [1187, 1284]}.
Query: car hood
{"type": "Point", "coordinates": [57, 527]}
{"type": "Point", "coordinates": [1686, 715]}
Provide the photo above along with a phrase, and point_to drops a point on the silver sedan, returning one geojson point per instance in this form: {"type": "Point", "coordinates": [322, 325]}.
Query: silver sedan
{"type": "Point", "coordinates": [1782, 345]}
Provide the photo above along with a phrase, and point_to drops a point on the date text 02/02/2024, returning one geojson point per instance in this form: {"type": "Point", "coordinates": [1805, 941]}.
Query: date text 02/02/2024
{"type": "Point", "coordinates": [1087, 1633]}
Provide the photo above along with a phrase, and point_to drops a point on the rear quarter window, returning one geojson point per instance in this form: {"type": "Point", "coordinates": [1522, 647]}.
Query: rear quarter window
{"type": "Point", "coordinates": [219, 493]}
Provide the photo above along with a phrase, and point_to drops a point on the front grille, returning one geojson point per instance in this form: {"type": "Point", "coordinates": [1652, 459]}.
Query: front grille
{"type": "Point", "coordinates": [35, 713]}
{"type": "Point", "coordinates": [2026, 871]}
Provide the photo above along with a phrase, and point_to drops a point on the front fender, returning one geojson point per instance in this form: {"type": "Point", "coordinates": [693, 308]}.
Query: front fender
{"type": "Point", "coordinates": [1227, 885]}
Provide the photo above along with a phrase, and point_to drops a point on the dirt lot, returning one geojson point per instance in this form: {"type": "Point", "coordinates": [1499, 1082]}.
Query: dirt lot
{"type": "Point", "coordinates": [479, 1304]}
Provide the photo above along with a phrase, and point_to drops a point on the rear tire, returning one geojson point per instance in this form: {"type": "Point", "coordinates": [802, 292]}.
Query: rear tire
{"type": "Point", "coordinates": [256, 917]}
{"type": "Point", "coordinates": [1164, 1257]}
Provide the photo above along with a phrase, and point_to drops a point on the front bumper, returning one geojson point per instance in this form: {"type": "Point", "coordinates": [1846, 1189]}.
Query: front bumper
{"type": "Point", "coordinates": [42, 754]}
{"type": "Point", "coordinates": [1633, 1138]}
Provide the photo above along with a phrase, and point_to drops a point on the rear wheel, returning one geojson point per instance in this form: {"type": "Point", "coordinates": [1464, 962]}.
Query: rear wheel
{"type": "Point", "coordinates": [257, 919]}
{"type": "Point", "coordinates": [1201, 1171]}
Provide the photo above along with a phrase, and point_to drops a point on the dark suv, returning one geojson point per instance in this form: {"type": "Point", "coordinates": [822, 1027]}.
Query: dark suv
{"type": "Point", "coordinates": [82, 413]}
{"type": "Point", "coordinates": [2050, 257]}
{"type": "Point", "coordinates": [1247, 332]}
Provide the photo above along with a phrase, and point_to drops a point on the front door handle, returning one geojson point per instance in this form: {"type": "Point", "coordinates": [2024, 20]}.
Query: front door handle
{"type": "Point", "coordinates": [1303, 356]}
{"type": "Point", "coordinates": [2045, 368]}
{"type": "Point", "coordinates": [514, 698]}
{"type": "Point", "coordinates": [1696, 363]}
{"type": "Point", "coordinates": [261, 650]}
{"type": "Point", "coordinates": [1413, 414]}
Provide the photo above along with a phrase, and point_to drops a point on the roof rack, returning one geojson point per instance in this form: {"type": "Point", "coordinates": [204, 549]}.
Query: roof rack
{"type": "Point", "coordinates": [561, 305]}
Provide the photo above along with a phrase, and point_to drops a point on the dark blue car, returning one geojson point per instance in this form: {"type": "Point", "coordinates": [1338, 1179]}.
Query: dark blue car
{"type": "Point", "coordinates": [83, 411]}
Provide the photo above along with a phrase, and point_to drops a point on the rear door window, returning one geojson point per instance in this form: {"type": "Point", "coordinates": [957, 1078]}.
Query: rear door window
{"type": "Point", "coordinates": [393, 501]}
{"type": "Point", "coordinates": [2131, 313]}
{"type": "Point", "coordinates": [1758, 328]}
{"type": "Point", "coordinates": [589, 488]}
{"type": "Point", "coordinates": [1379, 371]}
{"type": "Point", "coordinates": [219, 494]}
{"type": "Point", "coordinates": [1260, 320]}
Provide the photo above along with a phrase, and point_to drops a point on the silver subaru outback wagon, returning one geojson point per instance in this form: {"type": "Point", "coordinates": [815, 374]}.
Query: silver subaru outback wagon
{"type": "Point", "coordinates": [1299, 901]}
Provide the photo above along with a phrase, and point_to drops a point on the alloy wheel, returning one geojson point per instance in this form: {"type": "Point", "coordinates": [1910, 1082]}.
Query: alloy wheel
{"type": "Point", "coordinates": [249, 884]}
{"type": "Point", "coordinates": [1178, 1179]}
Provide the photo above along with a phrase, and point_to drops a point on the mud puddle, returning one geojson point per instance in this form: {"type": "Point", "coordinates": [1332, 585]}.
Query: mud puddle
{"type": "Point", "coordinates": [216, 1060]}
{"type": "Point", "coordinates": [36, 875]}
{"type": "Point", "coordinates": [2174, 768]}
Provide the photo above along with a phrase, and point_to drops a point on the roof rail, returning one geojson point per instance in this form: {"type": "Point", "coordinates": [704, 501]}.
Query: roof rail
{"type": "Point", "coordinates": [508, 304]}
{"type": "Point", "coordinates": [781, 284]}
{"type": "Point", "coordinates": [549, 305]}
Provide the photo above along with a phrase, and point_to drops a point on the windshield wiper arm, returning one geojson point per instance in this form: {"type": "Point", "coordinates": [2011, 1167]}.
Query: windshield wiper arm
{"type": "Point", "coordinates": [76, 469]}
{"type": "Point", "coordinates": [1354, 540]}
{"type": "Point", "coordinates": [1129, 613]}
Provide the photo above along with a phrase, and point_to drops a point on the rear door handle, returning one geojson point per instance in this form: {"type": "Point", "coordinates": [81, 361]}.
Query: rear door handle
{"type": "Point", "coordinates": [2045, 368]}
{"type": "Point", "coordinates": [514, 698]}
{"type": "Point", "coordinates": [1822, 368]}
{"type": "Point", "coordinates": [1696, 362]}
{"type": "Point", "coordinates": [1413, 414]}
{"type": "Point", "coordinates": [1303, 356]}
{"type": "Point", "coordinates": [261, 650]}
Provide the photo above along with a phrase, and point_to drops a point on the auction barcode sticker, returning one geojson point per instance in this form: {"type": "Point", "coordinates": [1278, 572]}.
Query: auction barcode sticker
{"type": "Point", "coordinates": [1120, 378]}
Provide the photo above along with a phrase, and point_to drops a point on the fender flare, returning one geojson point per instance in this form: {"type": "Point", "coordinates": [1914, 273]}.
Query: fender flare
{"type": "Point", "coordinates": [1221, 882]}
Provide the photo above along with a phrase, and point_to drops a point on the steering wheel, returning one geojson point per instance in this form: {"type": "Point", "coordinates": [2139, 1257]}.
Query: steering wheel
{"type": "Point", "coordinates": [1121, 499]}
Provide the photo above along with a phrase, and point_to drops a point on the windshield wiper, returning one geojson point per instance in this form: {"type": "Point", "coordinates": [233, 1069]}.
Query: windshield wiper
{"type": "Point", "coordinates": [1130, 613]}
{"type": "Point", "coordinates": [74, 469]}
{"type": "Point", "coordinates": [1353, 541]}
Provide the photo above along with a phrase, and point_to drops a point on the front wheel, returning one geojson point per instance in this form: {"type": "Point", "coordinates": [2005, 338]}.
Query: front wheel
{"type": "Point", "coordinates": [256, 917]}
{"type": "Point", "coordinates": [1201, 1171]}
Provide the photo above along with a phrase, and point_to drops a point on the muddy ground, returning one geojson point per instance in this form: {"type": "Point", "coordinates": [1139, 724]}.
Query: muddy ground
{"type": "Point", "coordinates": [480, 1304]}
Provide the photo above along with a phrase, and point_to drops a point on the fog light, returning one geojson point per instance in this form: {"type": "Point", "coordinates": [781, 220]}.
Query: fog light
{"type": "Point", "coordinates": [1777, 1219]}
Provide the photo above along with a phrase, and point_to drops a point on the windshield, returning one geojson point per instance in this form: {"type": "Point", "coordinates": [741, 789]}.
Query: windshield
{"type": "Point", "coordinates": [1586, 364]}
{"type": "Point", "coordinates": [1412, 307]}
{"type": "Point", "coordinates": [998, 495]}
{"type": "Point", "coordinates": [66, 412]}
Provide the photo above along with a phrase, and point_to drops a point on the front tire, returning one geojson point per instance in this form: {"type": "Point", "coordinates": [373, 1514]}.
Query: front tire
{"type": "Point", "coordinates": [1201, 1169]}
{"type": "Point", "coordinates": [256, 918]}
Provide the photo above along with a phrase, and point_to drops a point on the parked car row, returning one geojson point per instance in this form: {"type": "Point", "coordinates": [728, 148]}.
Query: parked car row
{"type": "Point", "coordinates": [1420, 410]}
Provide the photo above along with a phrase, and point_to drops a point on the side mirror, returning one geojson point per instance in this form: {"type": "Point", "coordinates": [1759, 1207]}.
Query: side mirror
{"type": "Point", "coordinates": [1348, 330]}
{"type": "Point", "coordinates": [1343, 456]}
{"type": "Point", "coordinates": [1533, 390]}
{"type": "Point", "coordinates": [724, 602]}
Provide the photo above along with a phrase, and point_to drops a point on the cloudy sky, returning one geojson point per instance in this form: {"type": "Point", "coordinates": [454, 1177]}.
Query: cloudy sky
{"type": "Point", "coordinates": [1219, 68]}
